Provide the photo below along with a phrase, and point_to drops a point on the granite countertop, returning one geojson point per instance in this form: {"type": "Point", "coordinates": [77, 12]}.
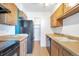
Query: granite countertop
{"type": "Point", "coordinates": [13, 37]}
{"type": "Point", "coordinates": [70, 45]}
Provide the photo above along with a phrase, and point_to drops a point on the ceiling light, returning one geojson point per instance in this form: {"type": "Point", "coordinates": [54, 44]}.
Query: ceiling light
{"type": "Point", "coordinates": [46, 4]}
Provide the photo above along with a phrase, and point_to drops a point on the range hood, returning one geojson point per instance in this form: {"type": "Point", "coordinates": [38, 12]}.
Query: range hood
{"type": "Point", "coordinates": [4, 10]}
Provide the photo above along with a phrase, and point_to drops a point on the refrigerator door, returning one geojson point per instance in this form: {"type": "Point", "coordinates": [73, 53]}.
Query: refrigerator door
{"type": "Point", "coordinates": [26, 27]}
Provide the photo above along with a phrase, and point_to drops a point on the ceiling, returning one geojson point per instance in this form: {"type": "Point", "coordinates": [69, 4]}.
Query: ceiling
{"type": "Point", "coordinates": [38, 7]}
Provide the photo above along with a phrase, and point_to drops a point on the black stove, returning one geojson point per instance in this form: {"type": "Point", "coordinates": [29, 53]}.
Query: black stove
{"type": "Point", "coordinates": [9, 48]}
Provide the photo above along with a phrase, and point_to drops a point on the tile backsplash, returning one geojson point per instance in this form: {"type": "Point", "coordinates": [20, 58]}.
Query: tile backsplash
{"type": "Point", "coordinates": [7, 29]}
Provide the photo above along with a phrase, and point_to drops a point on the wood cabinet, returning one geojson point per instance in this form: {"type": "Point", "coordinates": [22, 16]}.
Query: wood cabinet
{"type": "Point", "coordinates": [23, 49]}
{"type": "Point", "coordinates": [10, 18]}
{"type": "Point", "coordinates": [54, 17]}
{"type": "Point", "coordinates": [2, 19]}
{"type": "Point", "coordinates": [71, 11]}
{"type": "Point", "coordinates": [62, 12]}
{"type": "Point", "coordinates": [54, 22]}
{"type": "Point", "coordinates": [66, 53]}
{"type": "Point", "coordinates": [60, 51]}
{"type": "Point", "coordinates": [22, 14]}
{"type": "Point", "coordinates": [56, 49]}
{"type": "Point", "coordinates": [66, 7]}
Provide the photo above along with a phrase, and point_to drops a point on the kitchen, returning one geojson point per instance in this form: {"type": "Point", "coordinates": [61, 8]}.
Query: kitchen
{"type": "Point", "coordinates": [39, 30]}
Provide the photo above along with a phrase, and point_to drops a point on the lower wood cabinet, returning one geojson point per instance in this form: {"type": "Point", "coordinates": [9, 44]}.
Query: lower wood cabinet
{"type": "Point", "coordinates": [56, 49]}
{"type": "Point", "coordinates": [60, 51]}
{"type": "Point", "coordinates": [66, 53]}
{"type": "Point", "coordinates": [23, 48]}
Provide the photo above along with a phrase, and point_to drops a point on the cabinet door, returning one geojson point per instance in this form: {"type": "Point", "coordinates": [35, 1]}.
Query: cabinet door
{"type": "Point", "coordinates": [23, 48]}
{"type": "Point", "coordinates": [11, 17]}
{"type": "Point", "coordinates": [10, 6]}
{"type": "Point", "coordinates": [54, 49]}
{"type": "Point", "coordinates": [60, 51]}
{"type": "Point", "coordinates": [57, 23]}
{"type": "Point", "coordinates": [66, 7]}
{"type": "Point", "coordinates": [22, 14]}
{"type": "Point", "coordinates": [60, 11]}
{"type": "Point", "coordinates": [2, 18]}
{"type": "Point", "coordinates": [54, 21]}
{"type": "Point", "coordinates": [54, 17]}
{"type": "Point", "coordinates": [66, 53]}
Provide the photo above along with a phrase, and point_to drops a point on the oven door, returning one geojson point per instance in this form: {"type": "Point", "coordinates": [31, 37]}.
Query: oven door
{"type": "Point", "coordinates": [9, 48]}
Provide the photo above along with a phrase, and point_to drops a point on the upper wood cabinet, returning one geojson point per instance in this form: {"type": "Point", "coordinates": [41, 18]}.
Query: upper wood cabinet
{"type": "Point", "coordinates": [66, 7]}
{"type": "Point", "coordinates": [62, 12]}
{"type": "Point", "coordinates": [59, 12]}
{"type": "Point", "coordinates": [22, 14]}
{"type": "Point", "coordinates": [10, 18]}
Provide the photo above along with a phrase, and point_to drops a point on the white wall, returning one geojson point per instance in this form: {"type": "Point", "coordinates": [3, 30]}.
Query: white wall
{"type": "Point", "coordinates": [70, 26]}
{"type": "Point", "coordinates": [7, 30]}
{"type": "Point", "coordinates": [45, 28]}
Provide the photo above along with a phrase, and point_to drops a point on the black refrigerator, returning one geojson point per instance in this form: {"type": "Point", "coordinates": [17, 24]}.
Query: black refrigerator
{"type": "Point", "coordinates": [26, 27]}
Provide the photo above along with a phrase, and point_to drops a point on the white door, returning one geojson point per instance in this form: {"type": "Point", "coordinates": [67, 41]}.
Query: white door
{"type": "Point", "coordinates": [37, 32]}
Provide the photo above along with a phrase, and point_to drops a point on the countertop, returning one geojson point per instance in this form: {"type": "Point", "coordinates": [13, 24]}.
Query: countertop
{"type": "Point", "coordinates": [12, 37]}
{"type": "Point", "coordinates": [70, 46]}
